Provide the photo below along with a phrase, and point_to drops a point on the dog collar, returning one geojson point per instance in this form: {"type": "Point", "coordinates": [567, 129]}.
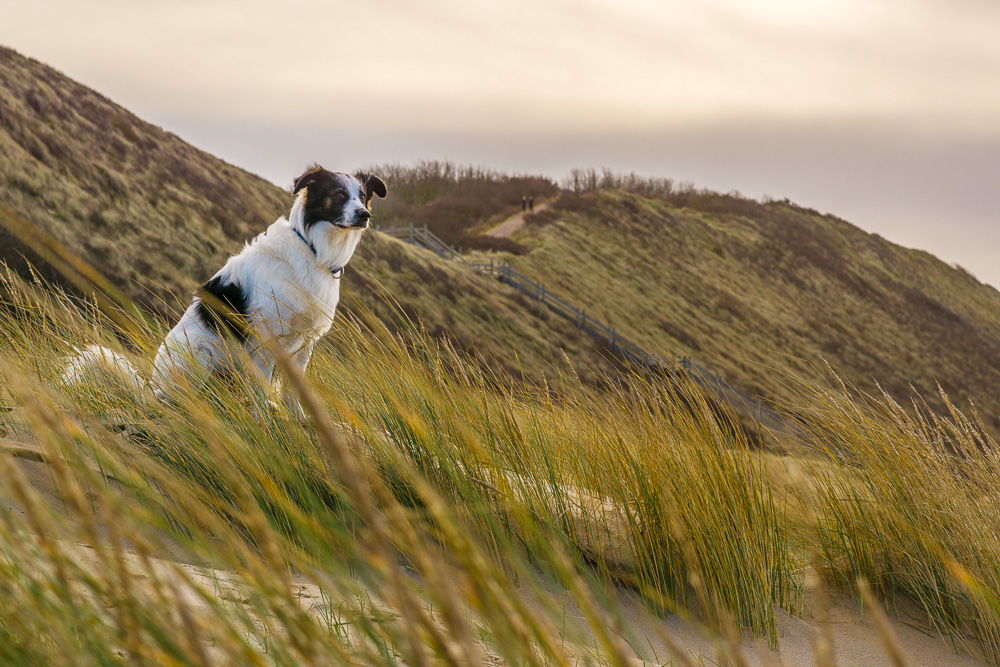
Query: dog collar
{"type": "Point", "coordinates": [337, 272]}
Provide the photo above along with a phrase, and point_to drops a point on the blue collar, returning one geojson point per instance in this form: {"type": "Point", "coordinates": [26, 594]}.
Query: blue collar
{"type": "Point", "coordinates": [337, 272]}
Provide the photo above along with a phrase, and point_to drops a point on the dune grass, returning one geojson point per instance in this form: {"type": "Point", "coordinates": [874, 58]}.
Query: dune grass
{"type": "Point", "coordinates": [430, 508]}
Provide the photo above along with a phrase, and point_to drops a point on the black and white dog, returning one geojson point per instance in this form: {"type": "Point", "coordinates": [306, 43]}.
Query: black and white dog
{"type": "Point", "coordinates": [283, 289]}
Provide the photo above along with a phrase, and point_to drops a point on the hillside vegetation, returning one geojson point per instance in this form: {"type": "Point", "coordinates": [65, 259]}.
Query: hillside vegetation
{"type": "Point", "coordinates": [762, 292]}
{"type": "Point", "coordinates": [455, 201]}
{"type": "Point", "coordinates": [153, 212]}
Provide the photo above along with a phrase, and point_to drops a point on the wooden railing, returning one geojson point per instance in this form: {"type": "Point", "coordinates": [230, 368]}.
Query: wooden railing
{"type": "Point", "coordinates": [424, 238]}
{"type": "Point", "coordinates": [503, 271]}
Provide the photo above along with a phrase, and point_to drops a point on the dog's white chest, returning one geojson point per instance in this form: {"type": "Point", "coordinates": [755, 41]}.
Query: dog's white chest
{"type": "Point", "coordinates": [301, 309]}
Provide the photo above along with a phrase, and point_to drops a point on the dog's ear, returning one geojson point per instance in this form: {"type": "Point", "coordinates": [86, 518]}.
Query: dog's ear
{"type": "Point", "coordinates": [373, 184]}
{"type": "Point", "coordinates": [307, 177]}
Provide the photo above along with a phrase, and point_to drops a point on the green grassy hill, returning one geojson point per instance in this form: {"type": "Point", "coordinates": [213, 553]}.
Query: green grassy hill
{"type": "Point", "coordinates": [152, 212]}
{"type": "Point", "coordinates": [758, 291]}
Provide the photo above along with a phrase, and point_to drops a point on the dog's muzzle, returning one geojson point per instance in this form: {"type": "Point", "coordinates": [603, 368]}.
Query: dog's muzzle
{"type": "Point", "coordinates": [361, 219]}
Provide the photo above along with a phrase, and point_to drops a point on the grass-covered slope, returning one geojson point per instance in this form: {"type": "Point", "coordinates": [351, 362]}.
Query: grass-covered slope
{"type": "Point", "coordinates": [480, 316]}
{"type": "Point", "coordinates": [757, 290]}
{"type": "Point", "coordinates": [152, 212]}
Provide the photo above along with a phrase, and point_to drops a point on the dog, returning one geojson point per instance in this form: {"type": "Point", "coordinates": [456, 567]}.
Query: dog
{"type": "Point", "coordinates": [282, 289]}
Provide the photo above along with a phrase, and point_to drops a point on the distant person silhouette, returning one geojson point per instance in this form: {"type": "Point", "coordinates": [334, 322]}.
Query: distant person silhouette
{"type": "Point", "coordinates": [531, 203]}
{"type": "Point", "coordinates": [524, 203]}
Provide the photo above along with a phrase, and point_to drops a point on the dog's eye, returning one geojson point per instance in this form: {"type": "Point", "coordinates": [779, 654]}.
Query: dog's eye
{"type": "Point", "coordinates": [341, 197]}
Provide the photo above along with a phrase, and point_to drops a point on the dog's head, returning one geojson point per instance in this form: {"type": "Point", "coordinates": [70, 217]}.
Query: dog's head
{"type": "Point", "coordinates": [340, 199]}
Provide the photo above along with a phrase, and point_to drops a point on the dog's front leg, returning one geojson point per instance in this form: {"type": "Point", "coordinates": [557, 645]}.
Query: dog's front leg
{"type": "Point", "coordinates": [300, 359]}
{"type": "Point", "coordinates": [262, 366]}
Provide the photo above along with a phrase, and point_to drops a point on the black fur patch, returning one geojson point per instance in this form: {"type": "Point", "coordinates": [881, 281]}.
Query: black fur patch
{"type": "Point", "coordinates": [372, 185]}
{"type": "Point", "coordinates": [224, 309]}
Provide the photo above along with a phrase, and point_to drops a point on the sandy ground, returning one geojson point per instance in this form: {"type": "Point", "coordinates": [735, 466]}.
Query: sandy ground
{"type": "Point", "coordinates": [855, 640]}
{"type": "Point", "coordinates": [513, 224]}
{"type": "Point", "coordinates": [854, 637]}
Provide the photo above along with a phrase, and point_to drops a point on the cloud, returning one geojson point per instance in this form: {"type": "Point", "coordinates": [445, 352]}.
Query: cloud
{"type": "Point", "coordinates": [598, 64]}
{"type": "Point", "coordinates": [882, 111]}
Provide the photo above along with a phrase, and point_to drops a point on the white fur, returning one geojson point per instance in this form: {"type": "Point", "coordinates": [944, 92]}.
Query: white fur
{"type": "Point", "coordinates": [292, 301]}
{"type": "Point", "coordinates": [101, 365]}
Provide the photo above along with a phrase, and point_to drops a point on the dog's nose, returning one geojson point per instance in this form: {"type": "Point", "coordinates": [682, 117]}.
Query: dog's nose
{"type": "Point", "coordinates": [364, 214]}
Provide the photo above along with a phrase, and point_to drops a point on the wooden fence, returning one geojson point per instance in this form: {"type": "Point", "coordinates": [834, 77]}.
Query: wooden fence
{"type": "Point", "coordinates": [503, 271]}
{"type": "Point", "coordinates": [425, 238]}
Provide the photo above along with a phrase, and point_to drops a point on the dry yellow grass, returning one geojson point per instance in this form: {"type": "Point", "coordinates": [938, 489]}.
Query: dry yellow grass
{"type": "Point", "coordinates": [440, 513]}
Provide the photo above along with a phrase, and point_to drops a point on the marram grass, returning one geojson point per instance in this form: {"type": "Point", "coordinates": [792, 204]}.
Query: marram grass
{"type": "Point", "coordinates": [429, 508]}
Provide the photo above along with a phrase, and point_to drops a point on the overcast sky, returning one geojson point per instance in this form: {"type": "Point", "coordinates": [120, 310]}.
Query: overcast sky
{"type": "Point", "coordinates": [884, 112]}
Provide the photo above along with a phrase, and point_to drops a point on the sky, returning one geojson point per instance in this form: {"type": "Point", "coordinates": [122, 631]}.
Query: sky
{"type": "Point", "coordinates": [883, 112]}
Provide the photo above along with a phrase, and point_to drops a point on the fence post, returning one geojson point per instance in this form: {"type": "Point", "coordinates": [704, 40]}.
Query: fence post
{"type": "Point", "coordinates": [411, 232]}
{"type": "Point", "coordinates": [541, 292]}
{"type": "Point", "coordinates": [611, 336]}
{"type": "Point", "coordinates": [579, 318]}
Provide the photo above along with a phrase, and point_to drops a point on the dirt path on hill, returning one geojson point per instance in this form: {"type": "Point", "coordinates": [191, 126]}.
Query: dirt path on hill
{"type": "Point", "coordinates": [513, 223]}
